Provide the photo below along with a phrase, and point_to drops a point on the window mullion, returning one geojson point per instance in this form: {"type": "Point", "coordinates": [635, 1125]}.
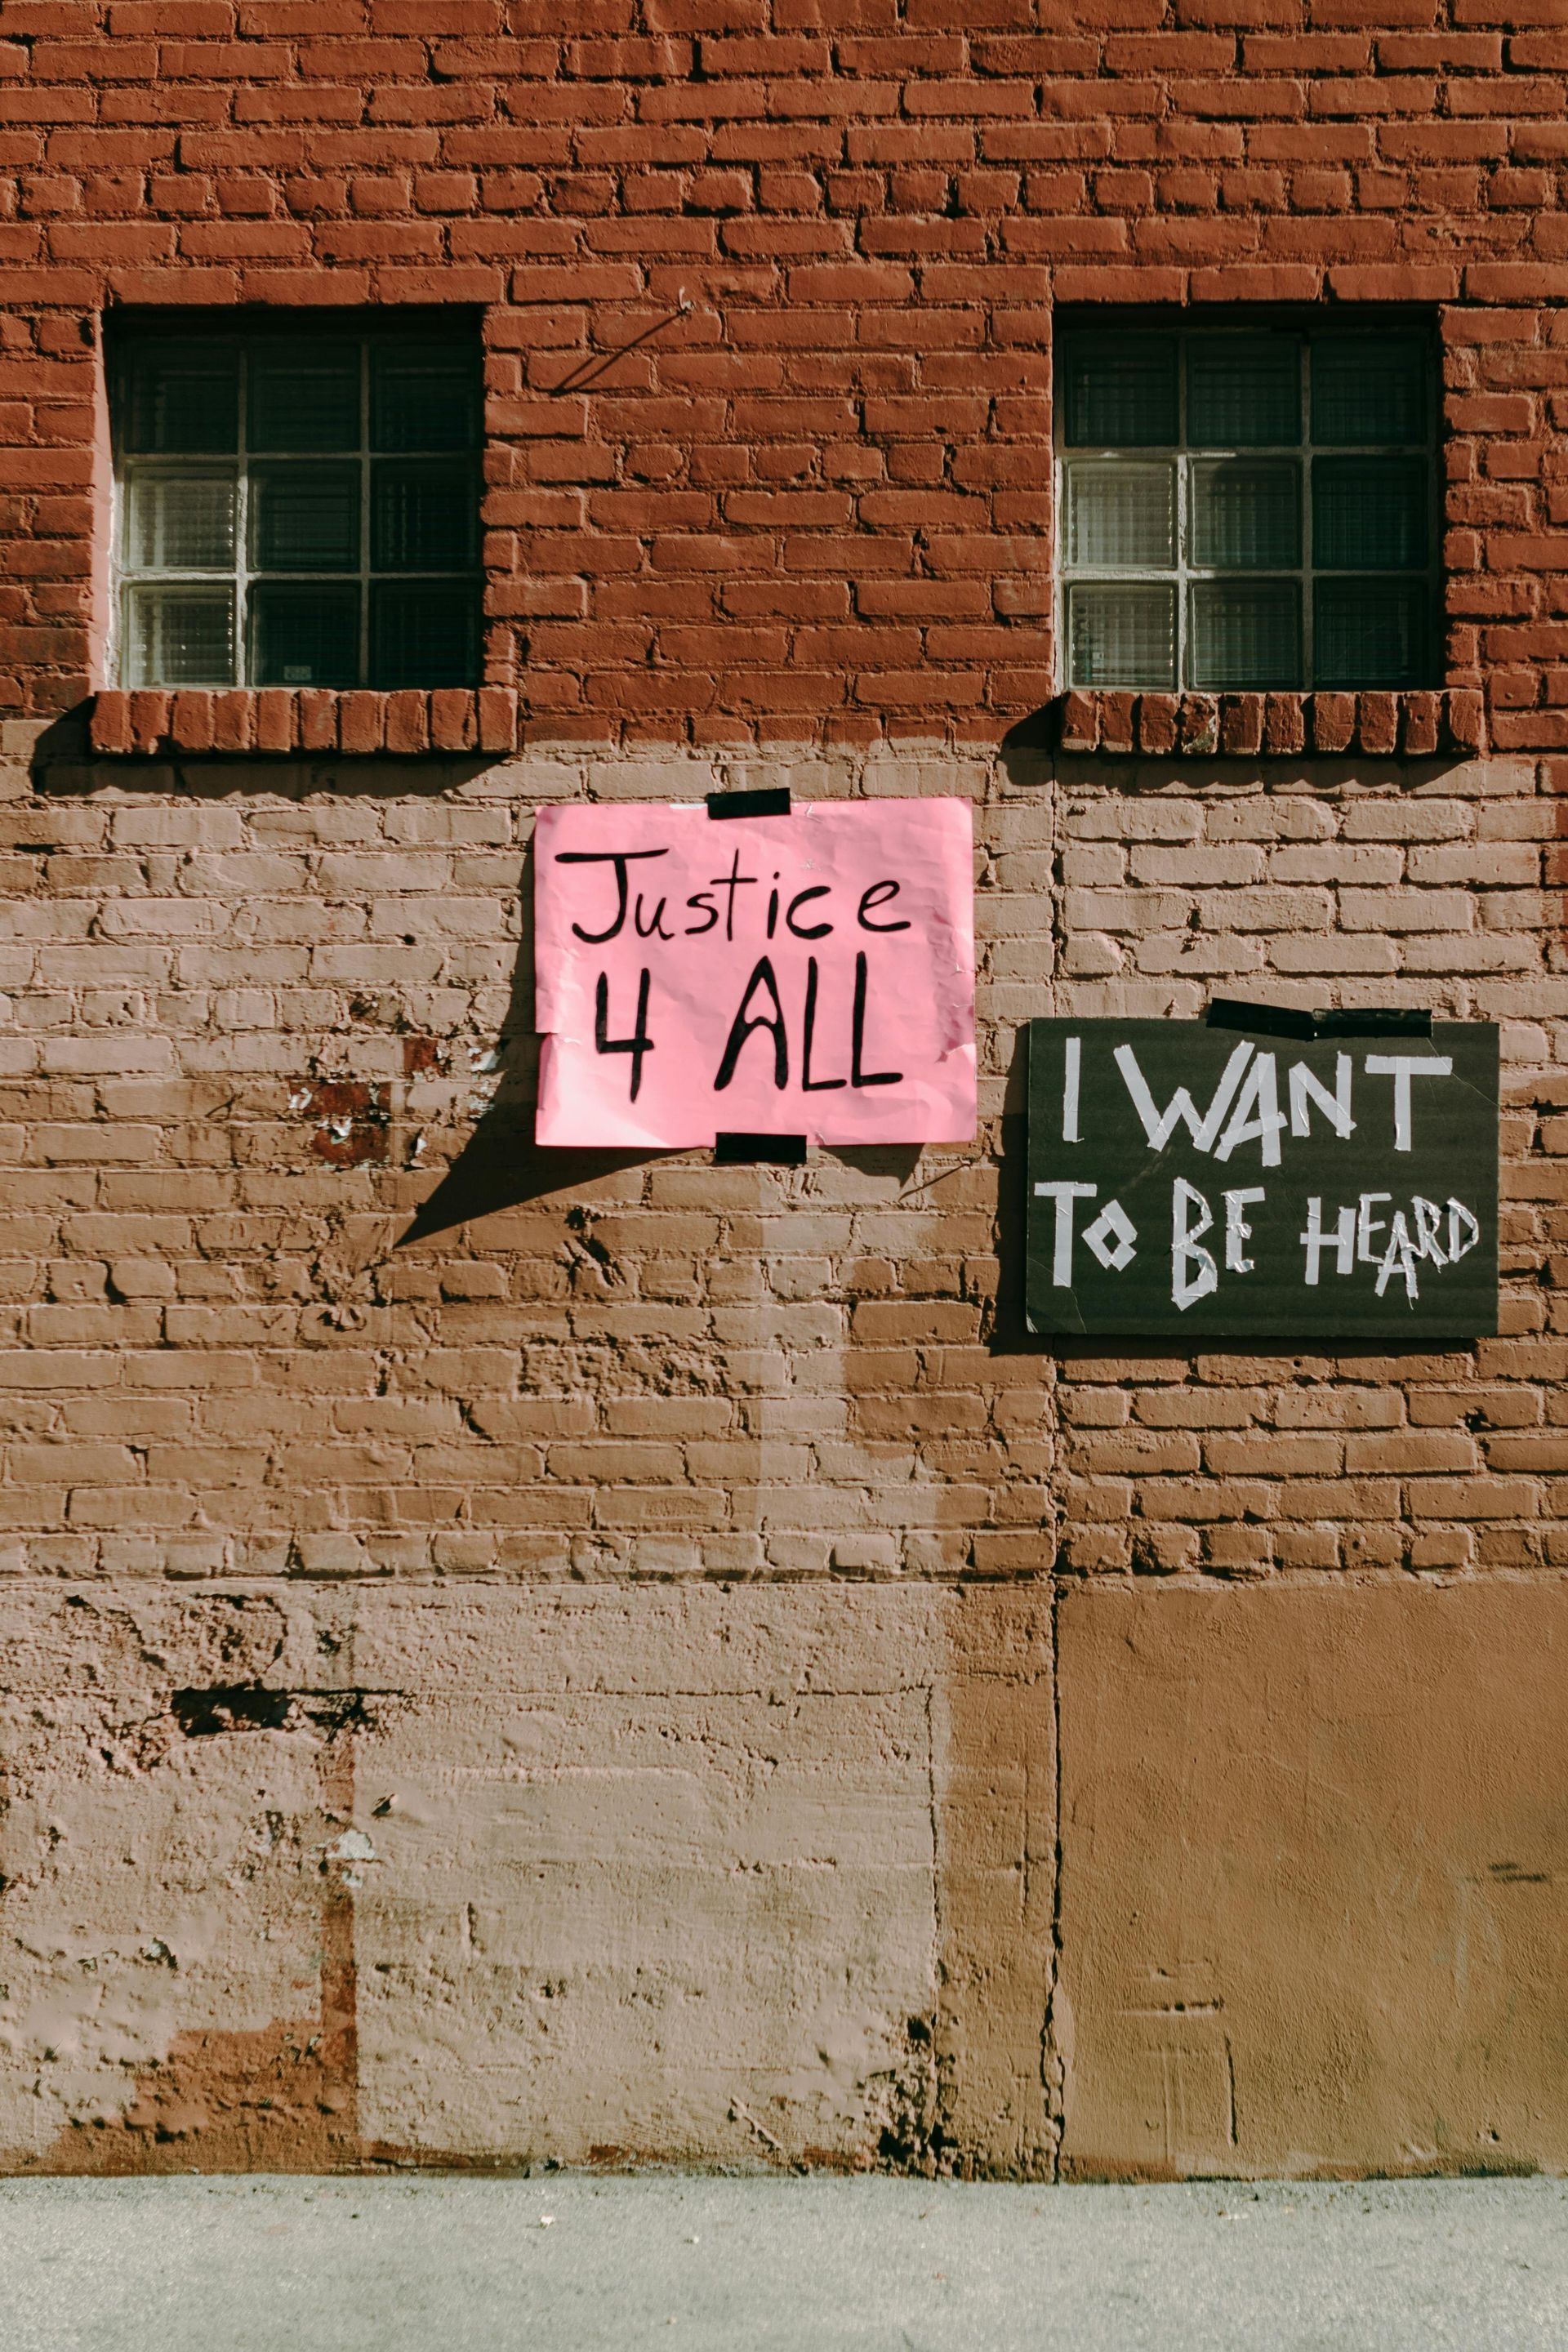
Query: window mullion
{"type": "Point", "coordinates": [365, 510]}
{"type": "Point", "coordinates": [1309, 595]}
{"type": "Point", "coordinates": [1183, 508]}
{"type": "Point", "coordinates": [115, 662]}
{"type": "Point", "coordinates": [242, 530]}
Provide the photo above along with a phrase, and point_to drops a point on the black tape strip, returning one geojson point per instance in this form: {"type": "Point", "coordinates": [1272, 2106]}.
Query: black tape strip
{"type": "Point", "coordinates": [1272, 1020]}
{"type": "Point", "coordinates": [1282, 1021]}
{"type": "Point", "coordinates": [735, 1151]}
{"type": "Point", "coordinates": [1388, 1022]}
{"type": "Point", "coordinates": [771, 800]}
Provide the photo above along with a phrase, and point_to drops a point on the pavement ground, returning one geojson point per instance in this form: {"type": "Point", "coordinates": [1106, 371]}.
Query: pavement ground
{"type": "Point", "coordinates": [564, 2263]}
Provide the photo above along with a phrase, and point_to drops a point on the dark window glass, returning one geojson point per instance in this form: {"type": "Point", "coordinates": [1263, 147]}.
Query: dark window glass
{"type": "Point", "coordinates": [1245, 632]}
{"type": "Point", "coordinates": [303, 396]}
{"type": "Point", "coordinates": [1372, 633]}
{"type": "Point", "coordinates": [1120, 391]}
{"type": "Point", "coordinates": [1247, 514]}
{"type": "Point", "coordinates": [1369, 513]}
{"type": "Point", "coordinates": [423, 396]}
{"type": "Point", "coordinates": [305, 517]}
{"type": "Point", "coordinates": [420, 519]}
{"type": "Point", "coordinates": [304, 636]}
{"type": "Point", "coordinates": [1370, 389]}
{"type": "Point", "coordinates": [424, 636]}
{"type": "Point", "coordinates": [1244, 392]}
{"type": "Point", "coordinates": [183, 396]}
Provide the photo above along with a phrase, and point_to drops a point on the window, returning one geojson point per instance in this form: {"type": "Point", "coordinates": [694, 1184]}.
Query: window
{"type": "Point", "coordinates": [297, 509]}
{"type": "Point", "coordinates": [1248, 507]}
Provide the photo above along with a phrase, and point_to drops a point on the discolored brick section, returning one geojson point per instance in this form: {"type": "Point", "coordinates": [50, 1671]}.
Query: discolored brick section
{"type": "Point", "coordinates": [292, 1291]}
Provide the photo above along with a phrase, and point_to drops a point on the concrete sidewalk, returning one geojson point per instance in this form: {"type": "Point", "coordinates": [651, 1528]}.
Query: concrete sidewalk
{"type": "Point", "coordinates": [567, 2263]}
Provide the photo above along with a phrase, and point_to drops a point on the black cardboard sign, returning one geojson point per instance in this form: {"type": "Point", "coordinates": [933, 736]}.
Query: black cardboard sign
{"type": "Point", "coordinates": [1225, 1182]}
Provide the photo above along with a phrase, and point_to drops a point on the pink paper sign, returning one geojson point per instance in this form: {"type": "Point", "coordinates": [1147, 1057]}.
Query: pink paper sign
{"type": "Point", "coordinates": [805, 974]}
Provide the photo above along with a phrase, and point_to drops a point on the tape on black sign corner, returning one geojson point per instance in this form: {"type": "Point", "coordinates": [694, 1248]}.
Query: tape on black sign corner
{"type": "Point", "coordinates": [1270, 1020]}
{"type": "Point", "coordinates": [1388, 1022]}
{"type": "Point", "coordinates": [733, 1150]}
{"type": "Point", "coordinates": [771, 800]}
{"type": "Point", "coordinates": [1284, 1021]}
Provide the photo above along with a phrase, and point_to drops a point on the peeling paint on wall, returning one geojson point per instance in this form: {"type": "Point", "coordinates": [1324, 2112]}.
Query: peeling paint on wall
{"type": "Point", "coordinates": [352, 1116]}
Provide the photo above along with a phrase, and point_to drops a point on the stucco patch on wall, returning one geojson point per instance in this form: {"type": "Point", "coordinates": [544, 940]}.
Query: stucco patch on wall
{"type": "Point", "coordinates": [1314, 1868]}
{"type": "Point", "coordinates": [589, 1875]}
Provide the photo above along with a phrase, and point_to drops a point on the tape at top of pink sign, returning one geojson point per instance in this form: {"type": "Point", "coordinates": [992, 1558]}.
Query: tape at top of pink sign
{"type": "Point", "coordinates": [809, 974]}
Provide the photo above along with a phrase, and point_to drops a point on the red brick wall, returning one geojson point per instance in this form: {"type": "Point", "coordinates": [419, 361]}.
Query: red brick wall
{"type": "Point", "coordinates": [818, 502]}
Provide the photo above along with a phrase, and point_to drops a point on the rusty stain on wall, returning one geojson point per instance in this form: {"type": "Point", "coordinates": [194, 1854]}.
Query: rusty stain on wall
{"type": "Point", "coordinates": [353, 1116]}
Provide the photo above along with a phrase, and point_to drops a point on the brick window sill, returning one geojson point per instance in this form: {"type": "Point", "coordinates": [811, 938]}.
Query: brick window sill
{"type": "Point", "coordinates": [1277, 726]}
{"type": "Point", "coordinates": [145, 723]}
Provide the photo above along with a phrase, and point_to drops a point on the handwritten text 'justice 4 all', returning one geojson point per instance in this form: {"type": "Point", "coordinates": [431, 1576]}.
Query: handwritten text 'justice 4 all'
{"type": "Point", "coordinates": [760, 1004]}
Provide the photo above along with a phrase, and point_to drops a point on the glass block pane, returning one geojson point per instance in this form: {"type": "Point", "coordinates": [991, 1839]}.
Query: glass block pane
{"type": "Point", "coordinates": [1370, 388]}
{"type": "Point", "coordinates": [1121, 633]}
{"type": "Point", "coordinates": [1369, 511]}
{"type": "Point", "coordinates": [179, 636]}
{"type": "Point", "coordinates": [1121, 517]}
{"type": "Point", "coordinates": [305, 517]}
{"type": "Point", "coordinates": [424, 396]}
{"type": "Point", "coordinates": [304, 395]}
{"type": "Point", "coordinates": [179, 522]}
{"type": "Point", "coordinates": [304, 636]}
{"type": "Point", "coordinates": [1371, 633]}
{"type": "Point", "coordinates": [424, 518]}
{"type": "Point", "coordinates": [1245, 632]}
{"type": "Point", "coordinates": [1247, 514]}
{"type": "Point", "coordinates": [1244, 392]}
{"type": "Point", "coordinates": [1120, 391]}
{"type": "Point", "coordinates": [424, 634]}
{"type": "Point", "coordinates": [182, 396]}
